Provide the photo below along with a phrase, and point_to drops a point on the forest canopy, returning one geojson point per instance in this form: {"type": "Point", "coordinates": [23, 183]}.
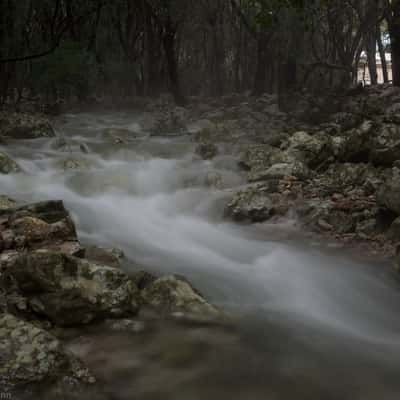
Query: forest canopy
{"type": "Point", "coordinates": [69, 48]}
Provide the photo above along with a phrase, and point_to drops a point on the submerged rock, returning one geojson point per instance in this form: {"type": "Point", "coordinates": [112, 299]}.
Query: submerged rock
{"type": "Point", "coordinates": [206, 151]}
{"type": "Point", "coordinates": [7, 164]}
{"type": "Point", "coordinates": [105, 256]}
{"type": "Point", "coordinates": [68, 290]}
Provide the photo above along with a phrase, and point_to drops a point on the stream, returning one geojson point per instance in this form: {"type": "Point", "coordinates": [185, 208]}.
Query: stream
{"type": "Point", "coordinates": [314, 322]}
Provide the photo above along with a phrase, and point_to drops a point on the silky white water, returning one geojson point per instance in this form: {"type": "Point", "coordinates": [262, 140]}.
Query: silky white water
{"type": "Point", "coordinates": [151, 197]}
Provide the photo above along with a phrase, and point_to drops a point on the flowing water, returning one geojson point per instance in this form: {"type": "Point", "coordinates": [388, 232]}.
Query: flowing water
{"type": "Point", "coordinates": [314, 324]}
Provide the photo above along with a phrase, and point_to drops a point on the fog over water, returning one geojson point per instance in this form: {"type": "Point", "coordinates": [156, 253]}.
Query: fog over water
{"type": "Point", "coordinates": [313, 311]}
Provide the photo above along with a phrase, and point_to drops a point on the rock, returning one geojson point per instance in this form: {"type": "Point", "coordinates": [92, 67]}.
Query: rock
{"type": "Point", "coordinates": [394, 231]}
{"type": "Point", "coordinates": [75, 164]}
{"type": "Point", "coordinates": [279, 171]}
{"type": "Point", "coordinates": [30, 355]}
{"type": "Point", "coordinates": [174, 294]}
{"type": "Point", "coordinates": [104, 256]}
{"type": "Point", "coordinates": [24, 126]}
{"type": "Point", "coordinates": [206, 151]}
{"type": "Point", "coordinates": [39, 225]}
{"type": "Point", "coordinates": [389, 194]}
{"type": "Point", "coordinates": [385, 146]}
{"type": "Point", "coordinates": [256, 203]}
{"type": "Point", "coordinates": [6, 203]}
{"type": "Point", "coordinates": [68, 290]}
{"type": "Point", "coordinates": [60, 143]}
{"type": "Point", "coordinates": [167, 122]}
{"type": "Point", "coordinates": [7, 164]}
{"type": "Point", "coordinates": [358, 143]}
{"type": "Point", "coordinates": [311, 149]}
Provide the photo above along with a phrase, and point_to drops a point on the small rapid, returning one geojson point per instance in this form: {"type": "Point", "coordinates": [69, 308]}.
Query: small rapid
{"type": "Point", "coordinates": [312, 311]}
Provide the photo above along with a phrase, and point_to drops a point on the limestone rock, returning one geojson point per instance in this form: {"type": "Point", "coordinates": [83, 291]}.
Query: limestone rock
{"type": "Point", "coordinates": [68, 290]}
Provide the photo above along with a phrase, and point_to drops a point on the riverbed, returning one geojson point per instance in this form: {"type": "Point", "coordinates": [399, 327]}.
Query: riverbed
{"type": "Point", "coordinates": [313, 323]}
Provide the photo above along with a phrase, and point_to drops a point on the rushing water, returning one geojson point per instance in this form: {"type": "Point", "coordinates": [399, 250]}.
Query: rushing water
{"type": "Point", "coordinates": [314, 316]}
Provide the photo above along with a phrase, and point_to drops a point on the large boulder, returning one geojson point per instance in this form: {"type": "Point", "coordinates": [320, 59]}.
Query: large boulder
{"type": "Point", "coordinates": [69, 290]}
{"type": "Point", "coordinates": [173, 294]}
{"type": "Point", "coordinates": [311, 149]}
{"type": "Point", "coordinates": [30, 355]}
{"type": "Point", "coordinates": [358, 143]}
{"type": "Point", "coordinates": [24, 126]}
{"type": "Point", "coordinates": [7, 164]}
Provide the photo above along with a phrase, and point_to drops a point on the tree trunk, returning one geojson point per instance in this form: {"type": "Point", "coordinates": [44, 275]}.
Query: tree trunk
{"type": "Point", "coordinates": [260, 78]}
{"type": "Point", "coordinates": [172, 65]}
{"type": "Point", "coordinates": [394, 31]}
{"type": "Point", "coordinates": [382, 55]}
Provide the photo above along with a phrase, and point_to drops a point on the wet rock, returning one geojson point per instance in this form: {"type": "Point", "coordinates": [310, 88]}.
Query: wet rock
{"type": "Point", "coordinates": [104, 256]}
{"type": "Point", "coordinates": [60, 143]}
{"type": "Point", "coordinates": [68, 290]}
{"type": "Point", "coordinates": [30, 355]}
{"type": "Point", "coordinates": [75, 164]}
{"type": "Point", "coordinates": [8, 165]}
{"type": "Point", "coordinates": [7, 203]}
{"type": "Point", "coordinates": [206, 151]}
{"type": "Point", "coordinates": [24, 126]}
{"type": "Point", "coordinates": [174, 294]}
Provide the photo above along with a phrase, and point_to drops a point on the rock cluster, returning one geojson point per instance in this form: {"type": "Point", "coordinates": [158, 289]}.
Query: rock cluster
{"type": "Point", "coordinates": [49, 280]}
{"type": "Point", "coordinates": [24, 126]}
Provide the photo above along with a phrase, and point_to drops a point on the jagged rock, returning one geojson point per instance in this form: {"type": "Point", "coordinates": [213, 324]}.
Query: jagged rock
{"type": "Point", "coordinates": [256, 203]}
{"type": "Point", "coordinates": [206, 151]}
{"type": "Point", "coordinates": [279, 171]}
{"type": "Point", "coordinates": [69, 290]}
{"type": "Point", "coordinates": [389, 194]}
{"type": "Point", "coordinates": [104, 256]}
{"type": "Point", "coordinates": [24, 126]}
{"type": "Point", "coordinates": [30, 355]}
{"type": "Point", "coordinates": [39, 225]}
{"type": "Point", "coordinates": [7, 164]}
{"type": "Point", "coordinates": [385, 146]}
{"type": "Point", "coordinates": [174, 294]}
{"type": "Point", "coordinates": [311, 149]}
{"type": "Point", "coordinates": [358, 143]}
{"type": "Point", "coordinates": [394, 231]}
